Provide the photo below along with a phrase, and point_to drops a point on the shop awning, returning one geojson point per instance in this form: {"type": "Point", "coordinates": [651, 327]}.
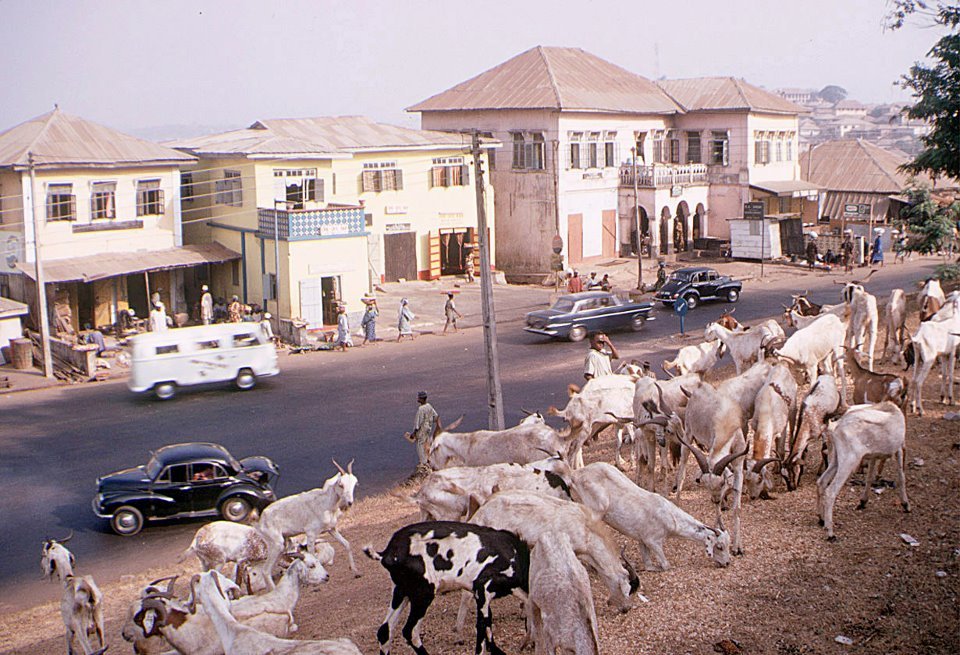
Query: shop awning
{"type": "Point", "coordinates": [835, 201]}
{"type": "Point", "coordinates": [99, 267]}
{"type": "Point", "coordinates": [787, 188]}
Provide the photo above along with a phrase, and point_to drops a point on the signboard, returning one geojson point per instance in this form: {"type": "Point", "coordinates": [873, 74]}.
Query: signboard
{"type": "Point", "coordinates": [753, 211]}
{"type": "Point", "coordinates": [680, 308]}
{"type": "Point", "coordinates": [390, 228]}
{"type": "Point", "coordinates": [676, 190]}
{"type": "Point", "coordinates": [557, 244]}
{"type": "Point", "coordinates": [395, 209]}
{"type": "Point", "coordinates": [860, 209]}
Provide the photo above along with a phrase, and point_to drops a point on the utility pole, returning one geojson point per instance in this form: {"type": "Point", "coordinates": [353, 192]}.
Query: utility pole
{"type": "Point", "coordinates": [41, 285]}
{"type": "Point", "coordinates": [494, 390]}
{"type": "Point", "coordinates": [636, 211]}
{"type": "Point", "coordinates": [276, 248]}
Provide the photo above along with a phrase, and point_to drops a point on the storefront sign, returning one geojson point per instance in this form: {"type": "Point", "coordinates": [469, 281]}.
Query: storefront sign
{"type": "Point", "coordinates": [860, 209]}
{"type": "Point", "coordinates": [396, 227]}
{"type": "Point", "coordinates": [676, 190]}
{"type": "Point", "coordinates": [395, 209]}
{"type": "Point", "coordinates": [753, 211]}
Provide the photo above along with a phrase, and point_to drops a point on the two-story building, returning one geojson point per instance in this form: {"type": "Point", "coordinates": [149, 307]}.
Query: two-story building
{"type": "Point", "coordinates": [595, 154]}
{"type": "Point", "coordinates": [335, 204]}
{"type": "Point", "coordinates": [107, 210]}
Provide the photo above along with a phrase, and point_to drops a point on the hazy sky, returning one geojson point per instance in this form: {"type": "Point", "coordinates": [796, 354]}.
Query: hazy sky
{"type": "Point", "coordinates": [140, 65]}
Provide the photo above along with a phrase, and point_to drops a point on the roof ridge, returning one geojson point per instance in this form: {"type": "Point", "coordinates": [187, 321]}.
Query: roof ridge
{"type": "Point", "coordinates": [28, 149]}
{"type": "Point", "coordinates": [683, 108]}
{"type": "Point", "coordinates": [896, 182]}
{"type": "Point", "coordinates": [736, 84]}
{"type": "Point", "coordinates": [550, 76]}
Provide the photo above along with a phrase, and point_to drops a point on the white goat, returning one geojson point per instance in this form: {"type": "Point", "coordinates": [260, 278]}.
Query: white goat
{"type": "Point", "coordinates": [864, 320]}
{"type": "Point", "coordinates": [646, 517]}
{"type": "Point", "coordinates": [56, 559]}
{"type": "Point", "coordinates": [868, 434]}
{"type": "Point", "coordinates": [651, 398]}
{"type": "Point", "coordinates": [774, 419]}
{"type": "Point", "coordinates": [133, 632]}
{"type": "Point", "coordinates": [81, 607]}
{"type": "Point", "coordinates": [312, 513]}
{"type": "Point", "coordinates": [895, 318]}
{"type": "Point", "coordinates": [819, 342]}
{"type": "Point", "coordinates": [697, 358]}
{"type": "Point", "coordinates": [935, 339]}
{"type": "Point", "coordinates": [588, 412]}
{"type": "Point", "coordinates": [797, 320]}
{"type": "Point", "coordinates": [220, 542]}
{"type": "Point", "coordinates": [560, 603]}
{"type": "Point", "coordinates": [518, 445]}
{"type": "Point", "coordinates": [745, 347]}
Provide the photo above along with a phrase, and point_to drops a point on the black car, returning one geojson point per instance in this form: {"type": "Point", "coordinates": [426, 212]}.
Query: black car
{"type": "Point", "coordinates": [575, 315]}
{"type": "Point", "coordinates": [185, 480]}
{"type": "Point", "coordinates": [696, 284]}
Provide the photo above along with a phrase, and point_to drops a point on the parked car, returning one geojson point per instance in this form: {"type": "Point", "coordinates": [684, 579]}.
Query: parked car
{"type": "Point", "coordinates": [162, 362]}
{"type": "Point", "coordinates": [576, 315]}
{"type": "Point", "coordinates": [696, 284]}
{"type": "Point", "coordinates": [185, 480]}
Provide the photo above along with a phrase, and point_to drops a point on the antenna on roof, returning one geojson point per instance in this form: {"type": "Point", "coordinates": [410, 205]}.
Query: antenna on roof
{"type": "Point", "coordinates": [656, 60]}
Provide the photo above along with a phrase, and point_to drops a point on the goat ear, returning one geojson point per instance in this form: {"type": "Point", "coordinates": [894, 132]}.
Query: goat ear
{"type": "Point", "coordinates": [685, 392]}
{"type": "Point", "coordinates": [73, 560]}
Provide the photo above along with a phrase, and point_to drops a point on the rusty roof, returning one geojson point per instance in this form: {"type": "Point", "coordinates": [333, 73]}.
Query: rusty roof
{"type": "Point", "coordinates": [568, 79]}
{"type": "Point", "coordinates": [855, 165]}
{"type": "Point", "coordinates": [59, 140]}
{"type": "Point", "coordinates": [726, 94]}
{"type": "Point", "coordinates": [325, 136]}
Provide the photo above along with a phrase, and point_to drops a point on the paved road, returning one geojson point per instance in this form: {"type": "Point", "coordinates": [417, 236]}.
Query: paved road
{"type": "Point", "coordinates": [324, 405]}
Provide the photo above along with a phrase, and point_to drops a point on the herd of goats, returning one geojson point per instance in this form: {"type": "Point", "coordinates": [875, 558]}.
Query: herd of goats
{"type": "Point", "coordinates": [517, 512]}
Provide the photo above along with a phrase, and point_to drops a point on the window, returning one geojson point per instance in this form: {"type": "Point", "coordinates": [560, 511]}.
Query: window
{"type": "Point", "coordinates": [235, 272]}
{"type": "Point", "coordinates": [245, 340]}
{"type": "Point", "coordinates": [297, 186]}
{"type": "Point", "coordinates": [693, 148]}
{"type": "Point", "coordinates": [230, 189]}
{"type": "Point", "coordinates": [61, 203]}
{"type": "Point", "coordinates": [381, 176]}
{"type": "Point", "coordinates": [789, 144]}
{"type": "Point", "coordinates": [575, 138]}
{"type": "Point", "coordinates": [212, 344]}
{"type": "Point", "coordinates": [779, 149]}
{"type": "Point", "coordinates": [176, 474]}
{"type": "Point", "coordinates": [149, 198]}
{"type": "Point", "coordinates": [592, 149]}
{"type": "Point", "coordinates": [610, 150]}
{"type": "Point", "coordinates": [755, 228]}
{"type": "Point", "coordinates": [674, 149]}
{"type": "Point", "coordinates": [518, 150]}
{"type": "Point", "coordinates": [449, 171]}
{"type": "Point", "coordinates": [720, 149]}
{"type": "Point", "coordinates": [536, 159]}
{"type": "Point", "coordinates": [658, 148]}
{"type": "Point", "coordinates": [761, 150]}
{"type": "Point", "coordinates": [528, 155]}
{"type": "Point", "coordinates": [167, 350]}
{"type": "Point", "coordinates": [187, 191]}
{"type": "Point", "coordinates": [103, 200]}
{"type": "Point", "coordinates": [785, 205]}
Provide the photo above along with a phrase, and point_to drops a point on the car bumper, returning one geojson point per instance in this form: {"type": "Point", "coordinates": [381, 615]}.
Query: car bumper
{"type": "Point", "coordinates": [95, 504]}
{"type": "Point", "coordinates": [547, 332]}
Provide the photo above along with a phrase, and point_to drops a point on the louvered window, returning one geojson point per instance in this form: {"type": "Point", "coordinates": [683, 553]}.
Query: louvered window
{"type": "Point", "coordinates": [528, 155]}
{"type": "Point", "coordinates": [693, 148]}
{"type": "Point", "coordinates": [449, 171]}
{"type": "Point", "coordinates": [229, 190]}
{"type": "Point", "coordinates": [720, 149]}
{"type": "Point", "coordinates": [381, 176]}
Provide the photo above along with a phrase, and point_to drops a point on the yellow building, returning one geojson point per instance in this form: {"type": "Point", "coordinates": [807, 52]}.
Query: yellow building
{"type": "Point", "coordinates": [108, 218]}
{"type": "Point", "coordinates": [358, 203]}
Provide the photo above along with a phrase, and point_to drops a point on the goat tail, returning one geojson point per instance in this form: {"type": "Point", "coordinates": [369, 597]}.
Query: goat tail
{"type": "Point", "coordinates": [372, 554]}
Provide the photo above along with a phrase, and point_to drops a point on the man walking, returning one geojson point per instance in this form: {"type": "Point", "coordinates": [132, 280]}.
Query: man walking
{"type": "Point", "coordinates": [424, 426]}
{"type": "Point", "coordinates": [450, 311]}
{"type": "Point", "coordinates": [846, 251]}
{"type": "Point", "coordinates": [601, 351]}
{"type": "Point", "coordinates": [206, 306]}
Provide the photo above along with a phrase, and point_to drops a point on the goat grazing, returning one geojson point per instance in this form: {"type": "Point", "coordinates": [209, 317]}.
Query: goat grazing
{"type": "Point", "coordinates": [774, 419]}
{"type": "Point", "coordinates": [220, 542]}
{"type": "Point", "coordinates": [820, 404]}
{"type": "Point", "coordinates": [820, 341]}
{"type": "Point", "coordinates": [698, 358]}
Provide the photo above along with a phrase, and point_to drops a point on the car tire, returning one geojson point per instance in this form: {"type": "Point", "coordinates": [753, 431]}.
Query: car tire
{"type": "Point", "coordinates": [636, 323]}
{"type": "Point", "coordinates": [235, 509]}
{"type": "Point", "coordinates": [127, 521]}
{"type": "Point", "coordinates": [733, 295]}
{"type": "Point", "coordinates": [165, 390]}
{"type": "Point", "coordinates": [692, 301]}
{"type": "Point", "coordinates": [577, 333]}
{"type": "Point", "coordinates": [245, 380]}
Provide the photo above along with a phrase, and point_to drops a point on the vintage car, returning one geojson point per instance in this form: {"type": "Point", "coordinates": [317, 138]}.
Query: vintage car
{"type": "Point", "coordinates": [185, 480]}
{"type": "Point", "coordinates": [696, 284]}
{"type": "Point", "coordinates": [576, 315]}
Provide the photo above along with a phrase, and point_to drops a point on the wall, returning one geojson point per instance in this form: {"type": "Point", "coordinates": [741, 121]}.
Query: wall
{"type": "Point", "coordinates": [783, 170]}
{"type": "Point", "coordinates": [748, 246]}
{"type": "Point", "coordinates": [10, 328]}
{"type": "Point", "coordinates": [345, 257]}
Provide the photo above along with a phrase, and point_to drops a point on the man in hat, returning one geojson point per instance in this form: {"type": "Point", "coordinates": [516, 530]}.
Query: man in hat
{"type": "Point", "coordinates": [575, 284]}
{"type": "Point", "coordinates": [876, 250]}
{"type": "Point", "coordinates": [846, 251]}
{"type": "Point", "coordinates": [812, 251]}
{"type": "Point", "coordinates": [424, 426]}
{"type": "Point", "coordinates": [451, 312]}
{"type": "Point", "coordinates": [206, 306]}
{"type": "Point", "coordinates": [267, 328]}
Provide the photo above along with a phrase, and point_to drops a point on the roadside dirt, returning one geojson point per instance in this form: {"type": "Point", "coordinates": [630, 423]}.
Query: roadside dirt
{"type": "Point", "coordinates": [791, 593]}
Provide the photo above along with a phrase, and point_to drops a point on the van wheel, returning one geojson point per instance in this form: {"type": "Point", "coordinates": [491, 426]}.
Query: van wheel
{"type": "Point", "coordinates": [165, 390]}
{"type": "Point", "coordinates": [246, 379]}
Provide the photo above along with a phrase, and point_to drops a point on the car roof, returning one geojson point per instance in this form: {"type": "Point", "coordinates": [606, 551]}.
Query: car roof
{"type": "Point", "coordinates": [585, 295]}
{"type": "Point", "coordinates": [695, 269]}
{"type": "Point", "coordinates": [183, 452]}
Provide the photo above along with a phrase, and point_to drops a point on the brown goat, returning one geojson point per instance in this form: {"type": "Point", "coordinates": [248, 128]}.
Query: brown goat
{"type": "Point", "coordinates": [928, 307]}
{"type": "Point", "coordinates": [870, 387]}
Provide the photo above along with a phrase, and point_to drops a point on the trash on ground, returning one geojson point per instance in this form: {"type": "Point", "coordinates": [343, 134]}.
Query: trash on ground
{"type": "Point", "coordinates": [907, 539]}
{"type": "Point", "coordinates": [846, 641]}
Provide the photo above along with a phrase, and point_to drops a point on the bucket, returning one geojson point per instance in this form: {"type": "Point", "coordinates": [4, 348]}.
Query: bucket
{"type": "Point", "coordinates": [21, 353]}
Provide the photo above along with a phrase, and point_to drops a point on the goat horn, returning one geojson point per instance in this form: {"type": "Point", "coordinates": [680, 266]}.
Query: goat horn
{"type": "Point", "coordinates": [65, 539]}
{"type": "Point", "coordinates": [758, 466]}
{"type": "Point", "coordinates": [664, 407]}
{"type": "Point", "coordinates": [339, 468]}
{"type": "Point", "coordinates": [685, 392]}
{"type": "Point", "coordinates": [216, 581]}
{"type": "Point", "coordinates": [350, 467]}
{"type": "Point", "coordinates": [658, 420]}
{"type": "Point", "coordinates": [454, 425]}
{"type": "Point", "coordinates": [722, 464]}
{"type": "Point", "coordinates": [152, 603]}
{"type": "Point", "coordinates": [192, 601]}
{"type": "Point", "coordinates": [631, 571]}
{"type": "Point", "coordinates": [544, 450]}
{"type": "Point", "coordinates": [620, 419]}
{"type": "Point", "coordinates": [663, 367]}
{"type": "Point", "coordinates": [699, 456]}
{"type": "Point", "coordinates": [526, 411]}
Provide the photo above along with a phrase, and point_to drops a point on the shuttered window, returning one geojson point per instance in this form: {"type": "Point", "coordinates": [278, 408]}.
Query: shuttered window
{"type": "Point", "coordinates": [229, 190]}
{"type": "Point", "coordinates": [449, 171]}
{"type": "Point", "coordinates": [103, 200]}
{"type": "Point", "coordinates": [720, 149]}
{"type": "Point", "coordinates": [528, 155]}
{"type": "Point", "coordinates": [381, 176]}
{"type": "Point", "coordinates": [693, 148]}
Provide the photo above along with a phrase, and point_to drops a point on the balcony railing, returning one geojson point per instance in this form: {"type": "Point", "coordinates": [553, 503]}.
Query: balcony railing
{"type": "Point", "coordinates": [664, 175]}
{"type": "Point", "coordinates": [308, 224]}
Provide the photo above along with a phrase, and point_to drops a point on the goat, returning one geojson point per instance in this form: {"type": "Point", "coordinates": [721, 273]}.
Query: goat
{"type": "Point", "coordinates": [433, 557]}
{"type": "Point", "coordinates": [933, 340]}
{"type": "Point", "coordinates": [820, 404]}
{"type": "Point", "coordinates": [804, 306]}
{"type": "Point", "coordinates": [518, 445]}
{"type": "Point", "coordinates": [864, 319]}
{"type": "Point", "coordinates": [727, 320]}
{"type": "Point", "coordinates": [821, 340]}
{"type": "Point", "coordinates": [895, 318]}
{"type": "Point", "coordinates": [651, 398]}
{"type": "Point", "coordinates": [865, 433]}
{"type": "Point", "coordinates": [795, 319]}
{"type": "Point", "coordinates": [445, 494]}
{"type": "Point", "coordinates": [240, 639]}
{"type": "Point", "coordinates": [774, 419]}
{"type": "Point", "coordinates": [560, 602]}
{"type": "Point", "coordinates": [698, 358]}
{"type": "Point", "coordinates": [870, 387]}
{"type": "Point", "coordinates": [529, 515]}
{"type": "Point", "coordinates": [646, 517]}
{"type": "Point", "coordinates": [531, 418]}
{"type": "Point", "coordinates": [745, 347]}
{"type": "Point", "coordinates": [220, 542]}
{"type": "Point", "coordinates": [81, 607]}
{"type": "Point", "coordinates": [133, 633]}
{"type": "Point", "coordinates": [56, 559]}
{"type": "Point", "coordinates": [313, 513]}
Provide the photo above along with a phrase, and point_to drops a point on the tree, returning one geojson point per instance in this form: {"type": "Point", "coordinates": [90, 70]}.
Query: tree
{"type": "Point", "coordinates": [832, 93]}
{"type": "Point", "coordinates": [936, 88]}
{"type": "Point", "coordinates": [929, 224]}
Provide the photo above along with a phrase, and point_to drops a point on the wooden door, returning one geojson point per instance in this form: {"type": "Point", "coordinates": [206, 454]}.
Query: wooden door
{"type": "Point", "coordinates": [609, 236]}
{"type": "Point", "coordinates": [435, 257]}
{"type": "Point", "coordinates": [574, 238]}
{"type": "Point", "coordinates": [311, 301]}
{"type": "Point", "coordinates": [400, 256]}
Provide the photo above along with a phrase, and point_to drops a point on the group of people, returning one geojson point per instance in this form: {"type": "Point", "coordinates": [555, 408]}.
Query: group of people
{"type": "Point", "coordinates": [845, 256]}
{"type": "Point", "coordinates": [405, 317]}
{"type": "Point", "coordinates": [222, 312]}
{"type": "Point", "coordinates": [576, 283]}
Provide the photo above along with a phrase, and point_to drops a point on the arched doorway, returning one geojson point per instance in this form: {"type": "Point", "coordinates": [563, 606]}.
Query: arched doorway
{"type": "Point", "coordinates": [665, 231]}
{"type": "Point", "coordinates": [699, 229]}
{"type": "Point", "coordinates": [681, 230]}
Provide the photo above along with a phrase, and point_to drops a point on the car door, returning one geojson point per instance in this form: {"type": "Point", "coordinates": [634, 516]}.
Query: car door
{"type": "Point", "coordinates": [607, 315]}
{"type": "Point", "coordinates": [173, 491]}
{"type": "Point", "coordinates": [209, 480]}
{"type": "Point", "coordinates": [590, 315]}
{"type": "Point", "coordinates": [710, 283]}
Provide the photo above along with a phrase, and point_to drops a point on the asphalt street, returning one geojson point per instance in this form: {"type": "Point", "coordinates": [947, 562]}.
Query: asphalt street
{"type": "Point", "coordinates": [354, 405]}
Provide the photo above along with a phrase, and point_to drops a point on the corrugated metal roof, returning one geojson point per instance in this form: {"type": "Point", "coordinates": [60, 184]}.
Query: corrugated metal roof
{"type": "Point", "coordinates": [59, 140]}
{"type": "Point", "coordinates": [326, 136]}
{"type": "Point", "coordinates": [786, 187]}
{"type": "Point", "coordinates": [855, 165]}
{"type": "Point", "coordinates": [834, 202]}
{"type": "Point", "coordinates": [98, 267]}
{"type": "Point", "coordinates": [726, 94]}
{"type": "Point", "coordinates": [10, 308]}
{"type": "Point", "coordinates": [554, 78]}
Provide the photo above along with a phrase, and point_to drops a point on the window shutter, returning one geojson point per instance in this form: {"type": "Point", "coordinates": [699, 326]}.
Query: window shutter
{"type": "Point", "coordinates": [465, 175]}
{"type": "Point", "coordinates": [141, 202]}
{"type": "Point", "coordinates": [726, 153]}
{"type": "Point", "coordinates": [161, 205]}
{"type": "Point", "coordinates": [398, 179]}
{"type": "Point", "coordinates": [73, 208]}
{"type": "Point", "coordinates": [758, 152]}
{"type": "Point", "coordinates": [368, 181]}
{"type": "Point", "coordinates": [319, 192]}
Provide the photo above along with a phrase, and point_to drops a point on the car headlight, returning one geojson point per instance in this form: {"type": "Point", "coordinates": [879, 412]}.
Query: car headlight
{"type": "Point", "coordinates": [673, 295]}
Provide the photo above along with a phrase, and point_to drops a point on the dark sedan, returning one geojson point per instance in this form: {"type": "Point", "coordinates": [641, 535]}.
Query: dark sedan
{"type": "Point", "coordinates": [185, 480]}
{"type": "Point", "coordinates": [696, 284]}
{"type": "Point", "coordinates": [576, 315]}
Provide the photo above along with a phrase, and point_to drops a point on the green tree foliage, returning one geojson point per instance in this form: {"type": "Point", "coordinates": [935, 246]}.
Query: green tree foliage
{"type": "Point", "coordinates": [936, 88]}
{"type": "Point", "coordinates": [832, 93]}
{"type": "Point", "coordinates": [929, 224]}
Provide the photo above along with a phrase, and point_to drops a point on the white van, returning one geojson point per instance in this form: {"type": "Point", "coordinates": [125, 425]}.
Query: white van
{"type": "Point", "coordinates": [237, 352]}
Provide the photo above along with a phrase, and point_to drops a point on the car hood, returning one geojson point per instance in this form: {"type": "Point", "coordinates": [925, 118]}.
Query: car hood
{"type": "Point", "coordinates": [261, 464]}
{"type": "Point", "coordinates": [134, 478]}
{"type": "Point", "coordinates": [673, 286]}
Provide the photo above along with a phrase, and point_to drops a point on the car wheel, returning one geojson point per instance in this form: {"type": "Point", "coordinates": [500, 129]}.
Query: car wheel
{"type": "Point", "coordinates": [636, 323]}
{"type": "Point", "coordinates": [127, 521]}
{"type": "Point", "coordinates": [733, 295]}
{"type": "Point", "coordinates": [165, 390]}
{"type": "Point", "coordinates": [235, 509]}
{"type": "Point", "coordinates": [692, 301]}
{"type": "Point", "coordinates": [577, 333]}
{"type": "Point", "coordinates": [246, 379]}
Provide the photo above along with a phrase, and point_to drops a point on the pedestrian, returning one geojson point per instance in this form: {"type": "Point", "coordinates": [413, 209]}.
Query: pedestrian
{"type": "Point", "coordinates": [846, 251]}
{"type": "Point", "coordinates": [369, 320]}
{"type": "Point", "coordinates": [206, 306]}
{"type": "Point", "coordinates": [469, 265]}
{"type": "Point", "coordinates": [661, 275]}
{"type": "Point", "coordinates": [812, 251]}
{"type": "Point", "coordinates": [235, 310]}
{"type": "Point", "coordinates": [425, 425]}
{"type": "Point", "coordinates": [158, 318]}
{"type": "Point", "coordinates": [404, 319]}
{"type": "Point", "coordinates": [597, 363]}
{"type": "Point", "coordinates": [267, 328]}
{"type": "Point", "coordinates": [575, 284]}
{"type": "Point", "coordinates": [876, 251]}
{"type": "Point", "coordinates": [605, 283]}
{"type": "Point", "coordinates": [900, 246]}
{"type": "Point", "coordinates": [451, 313]}
{"type": "Point", "coordinates": [592, 281]}
{"type": "Point", "coordinates": [343, 329]}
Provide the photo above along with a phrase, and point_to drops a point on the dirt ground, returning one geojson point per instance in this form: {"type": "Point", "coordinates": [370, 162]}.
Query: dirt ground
{"type": "Point", "coordinates": [791, 593]}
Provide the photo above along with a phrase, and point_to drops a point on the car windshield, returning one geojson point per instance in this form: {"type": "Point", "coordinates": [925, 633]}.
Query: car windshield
{"type": "Point", "coordinates": [682, 276]}
{"type": "Point", "coordinates": [563, 305]}
{"type": "Point", "coordinates": [153, 467]}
